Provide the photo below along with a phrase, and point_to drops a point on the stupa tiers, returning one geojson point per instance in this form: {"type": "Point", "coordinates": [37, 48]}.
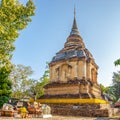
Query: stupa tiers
{"type": "Point", "coordinates": [73, 71]}
{"type": "Point", "coordinates": [73, 87]}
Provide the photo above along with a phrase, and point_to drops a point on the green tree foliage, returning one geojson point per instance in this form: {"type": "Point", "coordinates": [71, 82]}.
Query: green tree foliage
{"type": "Point", "coordinates": [116, 84]}
{"type": "Point", "coordinates": [21, 81]}
{"type": "Point", "coordinates": [117, 62]}
{"type": "Point", "coordinates": [104, 89]}
{"type": "Point", "coordinates": [23, 85]}
{"type": "Point", "coordinates": [109, 91]}
{"type": "Point", "coordinates": [5, 84]}
{"type": "Point", "coordinates": [13, 18]}
{"type": "Point", "coordinates": [38, 88]}
{"type": "Point", "coordinates": [43, 81]}
{"type": "Point", "coordinates": [114, 90]}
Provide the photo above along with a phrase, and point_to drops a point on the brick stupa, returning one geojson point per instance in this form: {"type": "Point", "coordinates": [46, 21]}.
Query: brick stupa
{"type": "Point", "coordinates": [73, 87]}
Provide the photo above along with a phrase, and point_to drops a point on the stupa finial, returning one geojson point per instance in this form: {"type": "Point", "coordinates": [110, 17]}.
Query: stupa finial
{"type": "Point", "coordinates": [74, 27]}
{"type": "Point", "coordinates": [74, 11]}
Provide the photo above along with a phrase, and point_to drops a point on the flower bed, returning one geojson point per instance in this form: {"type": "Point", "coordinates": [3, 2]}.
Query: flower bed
{"type": "Point", "coordinates": [97, 101]}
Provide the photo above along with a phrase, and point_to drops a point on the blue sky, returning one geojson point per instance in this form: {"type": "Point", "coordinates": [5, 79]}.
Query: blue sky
{"type": "Point", "coordinates": [99, 25]}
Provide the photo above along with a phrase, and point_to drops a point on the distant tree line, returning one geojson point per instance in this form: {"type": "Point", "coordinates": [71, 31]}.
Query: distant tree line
{"type": "Point", "coordinates": [114, 90]}
{"type": "Point", "coordinates": [23, 85]}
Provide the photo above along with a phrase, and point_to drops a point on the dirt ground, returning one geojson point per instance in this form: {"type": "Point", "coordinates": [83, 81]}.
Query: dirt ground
{"type": "Point", "coordinates": [60, 118]}
{"type": "Point", "coordinates": [116, 117]}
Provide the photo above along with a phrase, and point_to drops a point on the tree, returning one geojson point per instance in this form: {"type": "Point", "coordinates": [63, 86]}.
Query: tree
{"type": "Point", "coordinates": [13, 18]}
{"type": "Point", "coordinates": [104, 89]}
{"type": "Point", "coordinates": [117, 62]}
{"type": "Point", "coordinates": [23, 85]}
{"type": "Point", "coordinates": [21, 81]}
{"type": "Point", "coordinates": [116, 84]}
{"type": "Point", "coordinates": [5, 85]}
{"type": "Point", "coordinates": [114, 90]}
{"type": "Point", "coordinates": [43, 81]}
{"type": "Point", "coordinates": [37, 88]}
{"type": "Point", "coordinates": [109, 91]}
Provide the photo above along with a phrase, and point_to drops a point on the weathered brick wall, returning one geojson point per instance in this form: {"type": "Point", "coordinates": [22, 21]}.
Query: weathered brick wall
{"type": "Point", "coordinates": [63, 90]}
{"type": "Point", "coordinates": [90, 110]}
{"type": "Point", "coordinates": [74, 87]}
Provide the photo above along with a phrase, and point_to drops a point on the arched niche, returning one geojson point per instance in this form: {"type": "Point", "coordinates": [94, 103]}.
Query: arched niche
{"type": "Point", "coordinates": [65, 72]}
{"type": "Point", "coordinates": [93, 75]}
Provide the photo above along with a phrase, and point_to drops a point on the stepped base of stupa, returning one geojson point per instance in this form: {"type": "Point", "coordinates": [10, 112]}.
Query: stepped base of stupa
{"type": "Point", "coordinates": [72, 89]}
{"type": "Point", "coordinates": [76, 98]}
{"type": "Point", "coordinates": [79, 107]}
{"type": "Point", "coordinates": [87, 110]}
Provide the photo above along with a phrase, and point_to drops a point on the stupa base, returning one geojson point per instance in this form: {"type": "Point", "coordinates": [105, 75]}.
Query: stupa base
{"type": "Point", "coordinates": [79, 107]}
{"type": "Point", "coordinates": [88, 110]}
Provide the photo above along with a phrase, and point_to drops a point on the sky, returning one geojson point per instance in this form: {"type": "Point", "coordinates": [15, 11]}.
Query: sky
{"type": "Point", "coordinates": [99, 26]}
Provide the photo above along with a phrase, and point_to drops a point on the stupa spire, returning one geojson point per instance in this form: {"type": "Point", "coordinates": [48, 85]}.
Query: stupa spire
{"type": "Point", "coordinates": [74, 29]}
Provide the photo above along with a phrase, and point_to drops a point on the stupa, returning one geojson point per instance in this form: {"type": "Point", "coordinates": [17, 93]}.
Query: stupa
{"type": "Point", "coordinates": [73, 88]}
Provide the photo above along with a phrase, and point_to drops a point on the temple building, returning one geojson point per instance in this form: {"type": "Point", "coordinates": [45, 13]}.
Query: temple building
{"type": "Point", "coordinates": [73, 88]}
{"type": "Point", "coordinates": [73, 71]}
